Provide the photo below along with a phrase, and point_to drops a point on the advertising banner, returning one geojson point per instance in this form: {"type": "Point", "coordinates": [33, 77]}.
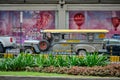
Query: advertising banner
{"type": "Point", "coordinates": [32, 23]}
{"type": "Point", "coordinates": [95, 20]}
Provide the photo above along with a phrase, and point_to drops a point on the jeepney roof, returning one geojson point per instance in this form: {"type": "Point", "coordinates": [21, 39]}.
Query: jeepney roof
{"type": "Point", "coordinates": [75, 31]}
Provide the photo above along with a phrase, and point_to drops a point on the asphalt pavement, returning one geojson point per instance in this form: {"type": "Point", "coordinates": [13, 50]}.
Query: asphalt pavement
{"type": "Point", "coordinates": [54, 78]}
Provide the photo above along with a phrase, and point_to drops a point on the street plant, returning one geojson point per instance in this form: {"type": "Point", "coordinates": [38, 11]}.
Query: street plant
{"type": "Point", "coordinates": [95, 59]}
{"type": "Point", "coordinates": [42, 60]}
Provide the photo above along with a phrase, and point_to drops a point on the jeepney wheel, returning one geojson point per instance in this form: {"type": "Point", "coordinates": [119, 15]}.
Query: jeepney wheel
{"type": "Point", "coordinates": [29, 51]}
{"type": "Point", "coordinates": [2, 50]}
{"type": "Point", "coordinates": [44, 45]}
{"type": "Point", "coordinates": [81, 52]}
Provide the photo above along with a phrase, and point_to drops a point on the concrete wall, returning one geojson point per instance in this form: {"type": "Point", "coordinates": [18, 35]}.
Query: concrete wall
{"type": "Point", "coordinates": [62, 18]}
{"type": "Point", "coordinates": [57, 1]}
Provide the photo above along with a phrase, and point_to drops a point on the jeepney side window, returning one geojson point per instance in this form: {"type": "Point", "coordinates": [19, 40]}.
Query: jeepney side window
{"type": "Point", "coordinates": [65, 36]}
{"type": "Point", "coordinates": [74, 36]}
{"type": "Point", "coordinates": [99, 36]}
{"type": "Point", "coordinates": [82, 37]}
{"type": "Point", "coordinates": [90, 36]}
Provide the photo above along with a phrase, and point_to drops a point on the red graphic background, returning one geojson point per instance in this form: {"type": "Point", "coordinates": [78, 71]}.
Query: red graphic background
{"type": "Point", "coordinates": [109, 20]}
{"type": "Point", "coordinates": [33, 21]}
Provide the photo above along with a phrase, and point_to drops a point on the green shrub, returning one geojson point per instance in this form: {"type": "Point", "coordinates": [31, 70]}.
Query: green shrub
{"type": "Point", "coordinates": [5, 64]}
{"type": "Point", "coordinates": [17, 63]}
{"type": "Point", "coordinates": [95, 59]}
{"type": "Point", "coordinates": [24, 60]}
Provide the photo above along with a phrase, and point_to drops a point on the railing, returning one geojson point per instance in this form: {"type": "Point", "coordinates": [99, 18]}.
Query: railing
{"type": "Point", "coordinates": [115, 59]}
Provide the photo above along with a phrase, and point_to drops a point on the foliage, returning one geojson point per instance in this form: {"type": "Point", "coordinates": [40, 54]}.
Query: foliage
{"type": "Point", "coordinates": [17, 63]}
{"type": "Point", "coordinates": [91, 64]}
{"type": "Point", "coordinates": [95, 59]}
{"type": "Point", "coordinates": [31, 60]}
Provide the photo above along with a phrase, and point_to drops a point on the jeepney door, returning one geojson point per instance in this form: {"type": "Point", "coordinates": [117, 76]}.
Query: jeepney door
{"type": "Point", "coordinates": [60, 43]}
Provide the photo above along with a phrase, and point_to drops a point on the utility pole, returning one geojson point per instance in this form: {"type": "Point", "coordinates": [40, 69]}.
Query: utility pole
{"type": "Point", "coordinates": [21, 22]}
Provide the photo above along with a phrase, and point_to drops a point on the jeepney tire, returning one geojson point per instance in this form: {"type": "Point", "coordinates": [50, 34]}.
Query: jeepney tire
{"type": "Point", "coordinates": [2, 50]}
{"type": "Point", "coordinates": [29, 51]}
{"type": "Point", "coordinates": [44, 45]}
{"type": "Point", "coordinates": [81, 52]}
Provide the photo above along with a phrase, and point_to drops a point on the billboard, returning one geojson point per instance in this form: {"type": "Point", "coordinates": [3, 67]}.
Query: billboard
{"type": "Point", "coordinates": [33, 21]}
{"type": "Point", "coordinates": [95, 20]}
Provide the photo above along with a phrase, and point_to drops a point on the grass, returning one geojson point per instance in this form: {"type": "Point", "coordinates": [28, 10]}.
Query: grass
{"type": "Point", "coordinates": [25, 73]}
{"type": "Point", "coordinates": [37, 74]}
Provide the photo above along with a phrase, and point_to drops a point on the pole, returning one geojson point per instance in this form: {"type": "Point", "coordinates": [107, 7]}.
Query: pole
{"type": "Point", "coordinates": [21, 21]}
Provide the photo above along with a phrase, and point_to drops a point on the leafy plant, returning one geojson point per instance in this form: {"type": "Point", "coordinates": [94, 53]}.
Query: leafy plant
{"type": "Point", "coordinates": [60, 61]}
{"type": "Point", "coordinates": [17, 63]}
{"type": "Point", "coordinates": [24, 60]}
{"type": "Point", "coordinates": [95, 59]}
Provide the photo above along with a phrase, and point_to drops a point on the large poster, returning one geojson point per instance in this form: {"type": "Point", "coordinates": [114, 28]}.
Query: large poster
{"type": "Point", "coordinates": [8, 20]}
{"type": "Point", "coordinates": [33, 22]}
{"type": "Point", "coordinates": [95, 20]}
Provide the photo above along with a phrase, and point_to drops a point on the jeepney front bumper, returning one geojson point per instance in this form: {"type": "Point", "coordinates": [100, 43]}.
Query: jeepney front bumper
{"type": "Point", "coordinates": [102, 51]}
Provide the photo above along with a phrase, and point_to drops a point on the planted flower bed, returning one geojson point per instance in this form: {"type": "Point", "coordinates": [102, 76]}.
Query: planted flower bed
{"type": "Point", "coordinates": [91, 64]}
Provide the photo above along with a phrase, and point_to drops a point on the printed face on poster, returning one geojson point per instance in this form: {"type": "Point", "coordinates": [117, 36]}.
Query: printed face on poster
{"type": "Point", "coordinates": [32, 22]}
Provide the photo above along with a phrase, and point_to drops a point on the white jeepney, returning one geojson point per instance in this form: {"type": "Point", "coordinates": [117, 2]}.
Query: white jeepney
{"type": "Point", "coordinates": [66, 40]}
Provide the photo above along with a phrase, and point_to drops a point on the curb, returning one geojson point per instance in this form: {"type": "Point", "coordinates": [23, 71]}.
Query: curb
{"type": "Point", "coordinates": [51, 78]}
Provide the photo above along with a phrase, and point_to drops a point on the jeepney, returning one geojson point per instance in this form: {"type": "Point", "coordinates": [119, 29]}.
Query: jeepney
{"type": "Point", "coordinates": [71, 41]}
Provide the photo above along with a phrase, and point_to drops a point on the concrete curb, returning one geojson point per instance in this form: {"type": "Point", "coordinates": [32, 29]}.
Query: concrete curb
{"type": "Point", "coordinates": [51, 78]}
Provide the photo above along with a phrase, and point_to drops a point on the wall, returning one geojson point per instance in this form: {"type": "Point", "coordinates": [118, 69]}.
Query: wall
{"type": "Point", "coordinates": [56, 16]}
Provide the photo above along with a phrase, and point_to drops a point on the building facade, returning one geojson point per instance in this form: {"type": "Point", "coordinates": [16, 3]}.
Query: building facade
{"type": "Point", "coordinates": [27, 19]}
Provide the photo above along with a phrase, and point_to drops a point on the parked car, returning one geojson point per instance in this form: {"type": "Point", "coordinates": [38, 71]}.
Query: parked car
{"type": "Point", "coordinates": [112, 46]}
{"type": "Point", "coordinates": [116, 36]}
{"type": "Point", "coordinates": [7, 42]}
